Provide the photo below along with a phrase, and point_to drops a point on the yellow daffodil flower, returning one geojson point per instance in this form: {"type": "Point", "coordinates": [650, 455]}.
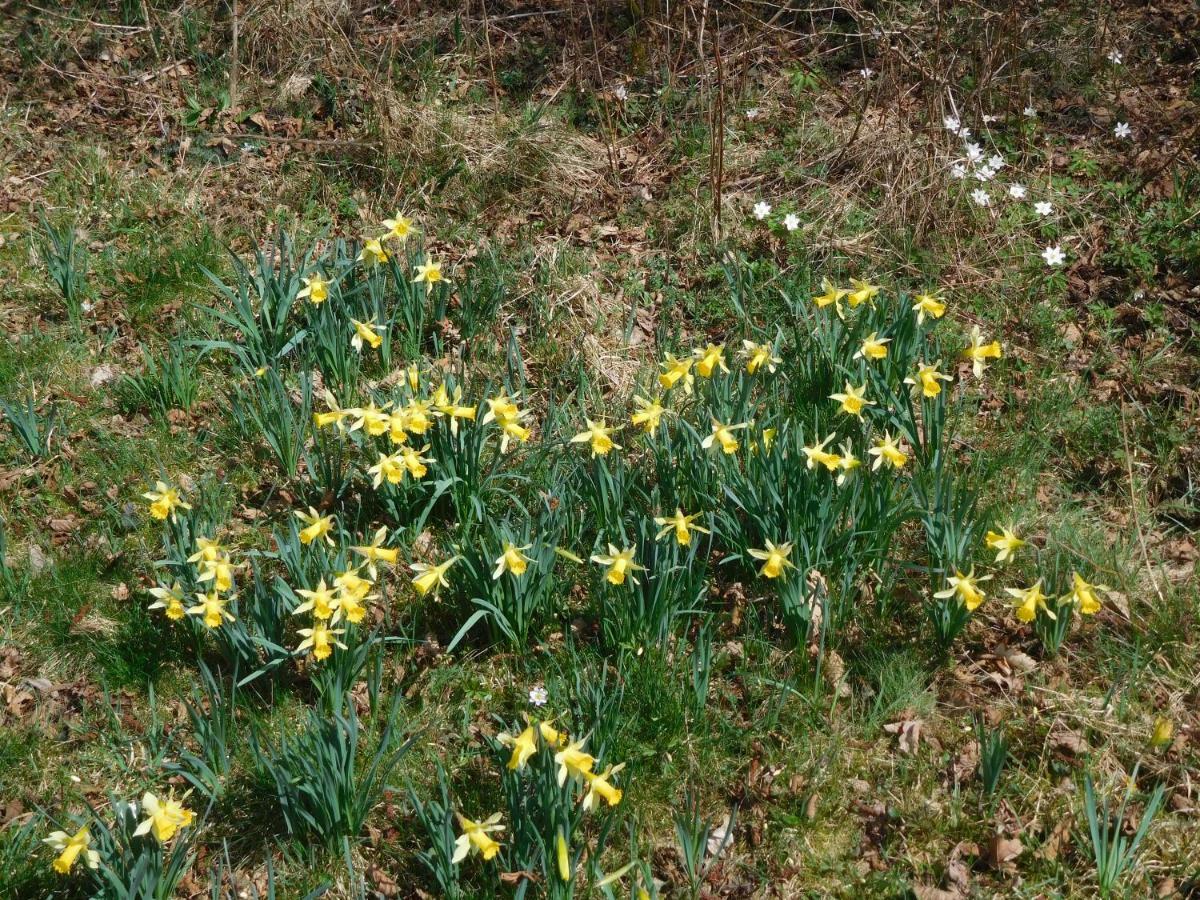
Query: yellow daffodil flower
{"type": "Point", "coordinates": [334, 416]}
{"type": "Point", "coordinates": [388, 467]}
{"type": "Point", "coordinates": [854, 400]}
{"type": "Point", "coordinates": [212, 608]}
{"type": "Point", "coordinates": [979, 352]}
{"type": "Point", "coordinates": [372, 253]}
{"type": "Point", "coordinates": [316, 527]}
{"type": "Point", "coordinates": [831, 296]}
{"type": "Point", "coordinates": [620, 565]}
{"type": "Point", "coordinates": [775, 559]}
{"type": "Point", "coordinates": [414, 377]}
{"type": "Point", "coordinates": [768, 437]}
{"type": "Point", "coordinates": [927, 380]}
{"type": "Point", "coordinates": [758, 356]}
{"type": "Point", "coordinates": [1006, 544]}
{"type": "Point", "coordinates": [414, 462]}
{"type": "Point", "coordinates": [873, 347]}
{"type": "Point", "coordinates": [320, 640]}
{"type": "Point", "coordinates": [676, 371]}
{"type": "Point", "coordinates": [476, 837]}
{"type": "Point", "coordinates": [1084, 595]}
{"type": "Point", "coordinates": [512, 559]}
{"type": "Point", "coordinates": [681, 525]}
{"type": "Point", "coordinates": [431, 577]}
{"type": "Point", "coordinates": [816, 453]}
{"type": "Point", "coordinates": [710, 359]}
{"type": "Point", "coordinates": [164, 500]}
{"type": "Point", "coordinates": [365, 332]}
{"type": "Point", "coordinates": [321, 601]}
{"type": "Point", "coordinates": [69, 848]}
{"type": "Point", "coordinates": [599, 785]}
{"type": "Point", "coordinates": [351, 586]}
{"type": "Point", "coordinates": [887, 450]}
{"type": "Point", "coordinates": [524, 745]}
{"type": "Point", "coordinates": [398, 229]}
{"type": "Point", "coordinates": [863, 292]}
{"type": "Point", "coordinates": [451, 408]}
{"type": "Point", "coordinates": [573, 762]}
{"type": "Point", "coordinates": [315, 290]}
{"type": "Point", "coordinates": [599, 436]}
{"type": "Point", "coordinates": [375, 553]}
{"type": "Point", "coordinates": [397, 427]}
{"type": "Point", "coordinates": [929, 304]}
{"type": "Point", "coordinates": [416, 416]}
{"type": "Point", "coordinates": [169, 600]}
{"type": "Point", "coordinates": [500, 408]}
{"type": "Point", "coordinates": [965, 588]}
{"type": "Point", "coordinates": [429, 272]}
{"type": "Point", "coordinates": [165, 817]}
{"type": "Point", "coordinates": [1029, 601]}
{"type": "Point", "coordinates": [847, 463]}
{"type": "Point", "coordinates": [723, 435]}
{"type": "Point", "coordinates": [649, 414]}
{"type": "Point", "coordinates": [372, 419]}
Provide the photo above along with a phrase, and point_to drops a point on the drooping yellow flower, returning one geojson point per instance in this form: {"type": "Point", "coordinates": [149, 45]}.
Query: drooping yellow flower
{"type": "Point", "coordinates": [600, 786]}
{"type": "Point", "coordinates": [979, 352]}
{"type": "Point", "coordinates": [69, 848]}
{"type": "Point", "coordinates": [681, 525]}
{"type": "Point", "coordinates": [214, 564]}
{"type": "Point", "coordinates": [965, 588]}
{"type": "Point", "coordinates": [321, 601]}
{"type": "Point", "coordinates": [451, 407]}
{"type": "Point", "coordinates": [353, 592]}
{"type": "Point", "coordinates": [573, 762]}
{"type": "Point", "coordinates": [1029, 601]}
{"type": "Point", "coordinates": [620, 564]}
{"type": "Point", "coordinates": [723, 435]}
{"type": "Point", "coordinates": [504, 411]}
{"type": "Point", "coordinates": [429, 272]}
{"type": "Point", "coordinates": [372, 253]}
{"type": "Point", "coordinates": [887, 450]}
{"type": "Point", "coordinates": [831, 296]}
{"type": "Point", "coordinates": [414, 463]}
{"type": "Point", "coordinates": [523, 745]}
{"type": "Point", "coordinates": [649, 414]}
{"type": "Point", "coordinates": [816, 453]}
{"type": "Point", "coordinates": [854, 400]}
{"type": "Point", "coordinates": [365, 332]}
{"type": "Point", "coordinates": [775, 559]}
{"type": "Point", "coordinates": [476, 837]}
{"type": "Point", "coordinates": [389, 467]}
{"type": "Point", "coordinates": [413, 373]}
{"type": "Point", "coordinates": [500, 408]}
{"type": "Point", "coordinates": [1006, 543]}
{"type": "Point", "coordinates": [1164, 730]}
{"type": "Point", "coordinates": [598, 435]}
{"type": "Point", "coordinates": [397, 427]}
{"type": "Point", "coordinates": [315, 290]}
{"type": "Point", "coordinates": [212, 608]}
{"type": "Point", "coordinates": [847, 463]}
{"type": "Point", "coordinates": [1084, 595]}
{"type": "Point", "coordinates": [320, 640]}
{"type": "Point", "coordinates": [758, 356]}
{"type": "Point", "coordinates": [928, 379]}
{"type": "Point", "coordinates": [372, 419]}
{"type": "Point", "coordinates": [513, 560]}
{"type": "Point", "coordinates": [768, 437]}
{"type": "Point", "coordinates": [316, 527]}
{"type": "Point", "coordinates": [334, 416]}
{"type": "Point", "coordinates": [416, 416]}
{"type": "Point", "coordinates": [398, 228]}
{"type": "Point", "coordinates": [375, 553]}
{"type": "Point", "coordinates": [873, 347]}
{"type": "Point", "coordinates": [164, 817]}
{"type": "Point", "coordinates": [164, 500]}
{"type": "Point", "coordinates": [710, 359]}
{"type": "Point", "coordinates": [169, 600]}
{"type": "Point", "coordinates": [929, 304]}
{"type": "Point", "coordinates": [431, 577]}
{"type": "Point", "coordinates": [863, 292]}
{"type": "Point", "coordinates": [676, 371]}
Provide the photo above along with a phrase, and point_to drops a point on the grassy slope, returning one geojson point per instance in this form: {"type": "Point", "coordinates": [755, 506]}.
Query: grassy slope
{"type": "Point", "coordinates": [600, 206]}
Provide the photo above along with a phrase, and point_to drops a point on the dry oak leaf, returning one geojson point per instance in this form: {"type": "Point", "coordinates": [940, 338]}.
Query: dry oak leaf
{"type": "Point", "coordinates": [908, 734]}
{"type": "Point", "coordinates": [1002, 851]}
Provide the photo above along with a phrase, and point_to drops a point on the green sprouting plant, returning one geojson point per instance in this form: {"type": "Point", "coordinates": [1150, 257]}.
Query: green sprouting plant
{"type": "Point", "coordinates": [699, 844]}
{"type": "Point", "coordinates": [1114, 851]}
{"type": "Point", "coordinates": [266, 409]}
{"type": "Point", "coordinates": [67, 264]}
{"type": "Point", "coordinates": [12, 581]}
{"type": "Point", "coordinates": [212, 714]}
{"type": "Point", "coordinates": [436, 817]}
{"type": "Point", "coordinates": [261, 305]}
{"type": "Point", "coordinates": [171, 383]}
{"type": "Point", "coordinates": [324, 784]}
{"type": "Point", "coordinates": [700, 667]}
{"type": "Point", "coordinates": [31, 428]}
{"type": "Point", "coordinates": [993, 753]}
{"type": "Point", "coordinates": [137, 867]}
